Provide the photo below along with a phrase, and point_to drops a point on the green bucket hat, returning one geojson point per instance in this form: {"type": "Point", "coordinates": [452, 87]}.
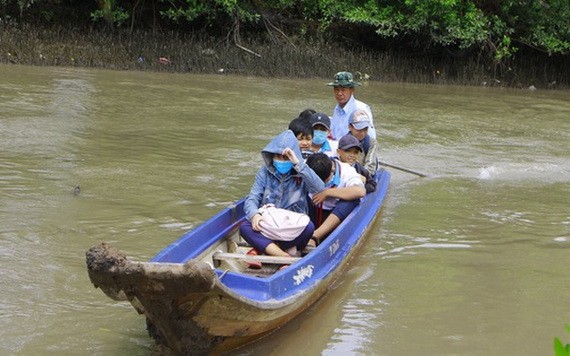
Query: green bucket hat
{"type": "Point", "coordinates": [343, 79]}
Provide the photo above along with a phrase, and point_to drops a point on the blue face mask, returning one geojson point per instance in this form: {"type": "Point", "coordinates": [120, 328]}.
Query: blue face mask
{"type": "Point", "coordinates": [335, 181]}
{"type": "Point", "coordinates": [283, 167]}
{"type": "Point", "coordinates": [319, 137]}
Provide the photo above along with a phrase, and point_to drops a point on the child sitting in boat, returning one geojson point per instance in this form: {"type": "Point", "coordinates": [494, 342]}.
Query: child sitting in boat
{"type": "Point", "coordinates": [321, 124]}
{"type": "Point", "coordinates": [348, 151]}
{"type": "Point", "coordinates": [284, 180]}
{"type": "Point", "coordinates": [306, 114]}
{"type": "Point", "coordinates": [303, 131]}
{"type": "Point", "coordinates": [342, 193]}
{"type": "Point", "coordinates": [358, 125]}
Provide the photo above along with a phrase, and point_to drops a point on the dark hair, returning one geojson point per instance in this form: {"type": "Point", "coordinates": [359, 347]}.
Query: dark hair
{"type": "Point", "coordinates": [321, 164]}
{"type": "Point", "coordinates": [301, 126]}
{"type": "Point", "coordinates": [306, 114]}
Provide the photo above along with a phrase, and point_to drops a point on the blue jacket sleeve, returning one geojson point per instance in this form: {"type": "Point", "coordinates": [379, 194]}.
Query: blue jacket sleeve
{"type": "Point", "coordinates": [313, 183]}
{"type": "Point", "coordinates": [255, 196]}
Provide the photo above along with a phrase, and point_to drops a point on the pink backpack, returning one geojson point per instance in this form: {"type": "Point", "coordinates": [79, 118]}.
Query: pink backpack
{"type": "Point", "coordinates": [281, 224]}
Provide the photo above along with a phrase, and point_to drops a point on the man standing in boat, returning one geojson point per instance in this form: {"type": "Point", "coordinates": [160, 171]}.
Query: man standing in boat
{"type": "Point", "coordinates": [343, 88]}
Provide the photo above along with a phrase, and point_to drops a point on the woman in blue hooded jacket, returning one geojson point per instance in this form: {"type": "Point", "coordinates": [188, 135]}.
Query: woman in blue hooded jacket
{"type": "Point", "coordinates": [284, 181]}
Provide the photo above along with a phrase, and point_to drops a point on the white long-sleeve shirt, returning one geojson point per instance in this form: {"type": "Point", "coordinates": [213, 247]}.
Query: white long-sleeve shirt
{"type": "Point", "coordinates": [340, 116]}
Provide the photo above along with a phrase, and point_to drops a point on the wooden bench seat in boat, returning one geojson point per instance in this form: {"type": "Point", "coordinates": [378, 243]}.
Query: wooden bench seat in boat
{"type": "Point", "coordinates": [221, 256]}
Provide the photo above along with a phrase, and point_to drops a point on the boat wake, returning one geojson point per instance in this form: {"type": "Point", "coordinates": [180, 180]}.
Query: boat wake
{"type": "Point", "coordinates": [547, 172]}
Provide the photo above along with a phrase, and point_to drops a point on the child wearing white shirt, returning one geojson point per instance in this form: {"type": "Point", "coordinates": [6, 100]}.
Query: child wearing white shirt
{"type": "Point", "coordinates": [343, 190]}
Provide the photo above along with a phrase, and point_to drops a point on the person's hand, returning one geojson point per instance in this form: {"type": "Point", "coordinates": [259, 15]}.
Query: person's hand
{"type": "Point", "coordinates": [321, 196]}
{"type": "Point", "coordinates": [255, 222]}
{"type": "Point", "coordinates": [289, 153]}
{"type": "Point", "coordinates": [363, 179]}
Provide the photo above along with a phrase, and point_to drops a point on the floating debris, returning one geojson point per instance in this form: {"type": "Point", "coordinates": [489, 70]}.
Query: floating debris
{"type": "Point", "coordinates": [164, 60]}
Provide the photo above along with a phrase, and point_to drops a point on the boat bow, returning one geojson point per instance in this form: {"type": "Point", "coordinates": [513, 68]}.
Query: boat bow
{"type": "Point", "coordinates": [111, 271]}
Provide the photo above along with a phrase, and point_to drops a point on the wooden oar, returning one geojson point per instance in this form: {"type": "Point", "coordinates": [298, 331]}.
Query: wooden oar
{"type": "Point", "coordinates": [402, 169]}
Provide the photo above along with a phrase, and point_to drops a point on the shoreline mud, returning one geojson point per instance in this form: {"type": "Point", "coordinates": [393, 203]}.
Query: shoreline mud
{"type": "Point", "coordinates": [201, 53]}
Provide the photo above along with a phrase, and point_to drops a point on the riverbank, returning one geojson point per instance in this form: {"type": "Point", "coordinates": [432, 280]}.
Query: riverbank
{"type": "Point", "coordinates": [201, 53]}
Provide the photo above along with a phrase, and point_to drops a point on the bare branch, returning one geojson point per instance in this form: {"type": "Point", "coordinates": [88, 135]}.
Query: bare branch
{"type": "Point", "coordinates": [237, 41]}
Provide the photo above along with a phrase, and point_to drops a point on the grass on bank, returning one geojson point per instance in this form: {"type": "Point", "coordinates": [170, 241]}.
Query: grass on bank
{"type": "Point", "coordinates": [200, 53]}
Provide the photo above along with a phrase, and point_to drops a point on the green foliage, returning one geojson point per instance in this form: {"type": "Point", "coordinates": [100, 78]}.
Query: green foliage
{"type": "Point", "coordinates": [211, 11]}
{"type": "Point", "coordinates": [543, 25]}
{"type": "Point", "coordinates": [561, 349]}
{"type": "Point", "coordinates": [504, 50]}
{"type": "Point", "coordinates": [444, 22]}
{"type": "Point", "coordinates": [24, 5]}
{"type": "Point", "coordinates": [495, 28]}
{"type": "Point", "coordinates": [114, 16]}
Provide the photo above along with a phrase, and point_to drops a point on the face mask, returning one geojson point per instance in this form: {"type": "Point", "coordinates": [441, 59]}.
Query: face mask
{"type": "Point", "coordinates": [319, 137]}
{"type": "Point", "coordinates": [283, 167]}
{"type": "Point", "coordinates": [335, 181]}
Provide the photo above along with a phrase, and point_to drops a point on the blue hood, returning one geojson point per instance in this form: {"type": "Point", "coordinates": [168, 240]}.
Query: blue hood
{"type": "Point", "coordinates": [285, 139]}
{"type": "Point", "coordinates": [287, 192]}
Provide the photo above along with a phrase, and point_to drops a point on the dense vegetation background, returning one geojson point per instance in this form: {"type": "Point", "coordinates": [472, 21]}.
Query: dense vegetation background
{"type": "Point", "coordinates": [481, 42]}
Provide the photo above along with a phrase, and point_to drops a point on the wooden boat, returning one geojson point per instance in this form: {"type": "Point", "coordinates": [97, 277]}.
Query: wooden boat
{"type": "Point", "coordinates": [198, 294]}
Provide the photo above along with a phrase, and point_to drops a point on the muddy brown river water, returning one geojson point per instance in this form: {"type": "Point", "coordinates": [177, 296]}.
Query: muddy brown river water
{"type": "Point", "coordinates": [471, 260]}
